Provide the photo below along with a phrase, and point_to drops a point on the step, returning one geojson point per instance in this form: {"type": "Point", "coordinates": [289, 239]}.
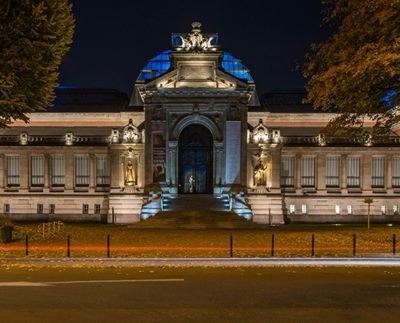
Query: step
{"type": "Point", "coordinates": [198, 202]}
{"type": "Point", "coordinates": [127, 208]}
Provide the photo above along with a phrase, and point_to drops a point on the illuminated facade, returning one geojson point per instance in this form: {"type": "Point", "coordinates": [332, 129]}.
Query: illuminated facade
{"type": "Point", "coordinates": [193, 125]}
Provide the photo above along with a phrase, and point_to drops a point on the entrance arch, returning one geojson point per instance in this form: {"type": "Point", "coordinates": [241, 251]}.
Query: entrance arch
{"type": "Point", "coordinates": [195, 160]}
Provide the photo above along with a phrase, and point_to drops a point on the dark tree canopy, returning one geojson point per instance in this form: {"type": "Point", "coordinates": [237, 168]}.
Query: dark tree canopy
{"type": "Point", "coordinates": [356, 72]}
{"type": "Point", "coordinates": [34, 37]}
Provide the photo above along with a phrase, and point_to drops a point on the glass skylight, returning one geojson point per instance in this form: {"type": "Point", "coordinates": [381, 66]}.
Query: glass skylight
{"type": "Point", "coordinates": [161, 63]}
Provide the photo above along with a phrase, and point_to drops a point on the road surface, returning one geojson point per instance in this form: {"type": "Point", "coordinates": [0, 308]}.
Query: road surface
{"type": "Point", "coordinates": [224, 294]}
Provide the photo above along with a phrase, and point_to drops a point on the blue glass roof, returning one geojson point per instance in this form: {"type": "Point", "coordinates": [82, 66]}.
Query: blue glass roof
{"type": "Point", "coordinates": [234, 66]}
{"type": "Point", "coordinates": [161, 63]}
{"type": "Point", "coordinates": [156, 66]}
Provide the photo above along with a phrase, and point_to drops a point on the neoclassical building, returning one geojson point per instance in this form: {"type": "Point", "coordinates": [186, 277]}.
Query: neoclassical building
{"type": "Point", "coordinates": [194, 126]}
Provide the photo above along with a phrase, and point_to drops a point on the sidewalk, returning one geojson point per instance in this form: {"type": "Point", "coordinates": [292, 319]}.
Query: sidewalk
{"type": "Point", "coordinates": [202, 262]}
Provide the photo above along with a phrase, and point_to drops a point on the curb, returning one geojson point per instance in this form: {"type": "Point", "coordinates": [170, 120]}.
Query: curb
{"type": "Point", "coordinates": [203, 262]}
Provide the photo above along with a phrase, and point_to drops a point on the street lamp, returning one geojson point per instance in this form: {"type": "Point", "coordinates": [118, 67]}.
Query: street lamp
{"type": "Point", "coordinates": [369, 201]}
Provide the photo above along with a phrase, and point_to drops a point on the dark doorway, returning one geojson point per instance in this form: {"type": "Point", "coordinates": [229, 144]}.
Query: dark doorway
{"type": "Point", "coordinates": [195, 160]}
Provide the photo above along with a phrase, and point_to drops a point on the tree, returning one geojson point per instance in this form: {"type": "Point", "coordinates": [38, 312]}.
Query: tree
{"type": "Point", "coordinates": [34, 37]}
{"type": "Point", "coordinates": [356, 72]}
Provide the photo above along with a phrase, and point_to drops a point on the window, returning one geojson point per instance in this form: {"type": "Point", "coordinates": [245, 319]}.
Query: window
{"type": "Point", "coordinates": [395, 209]}
{"type": "Point", "coordinates": [308, 171]}
{"type": "Point", "coordinates": [85, 209]}
{"type": "Point", "coordinates": [57, 170]}
{"type": "Point", "coordinates": [82, 170]}
{"type": "Point", "coordinates": [338, 210]}
{"type": "Point", "coordinates": [39, 209]}
{"type": "Point", "coordinates": [97, 208]}
{"type": "Point", "coordinates": [304, 209]}
{"type": "Point", "coordinates": [332, 171]}
{"type": "Point", "coordinates": [353, 172]}
{"type": "Point", "coordinates": [52, 209]}
{"type": "Point", "coordinates": [349, 210]}
{"type": "Point", "coordinates": [7, 208]}
{"type": "Point", "coordinates": [378, 172]}
{"type": "Point", "coordinates": [292, 209]}
{"type": "Point", "coordinates": [396, 172]}
{"type": "Point", "coordinates": [37, 170]}
{"type": "Point", "coordinates": [102, 171]}
{"type": "Point", "coordinates": [12, 170]}
{"type": "Point", "coordinates": [287, 171]}
{"type": "Point", "coordinates": [383, 209]}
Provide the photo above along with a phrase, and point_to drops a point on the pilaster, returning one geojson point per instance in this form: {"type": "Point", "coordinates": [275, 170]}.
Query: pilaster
{"type": "Point", "coordinates": [297, 173]}
{"type": "Point", "coordinates": [366, 172]}
{"type": "Point", "coordinates": [92, 172]}
{"type": "Point", "coordinates": [24, 171]}
{"type": "Point", "coordinates": [343, 172]}
{"type": "Point", "coordinates": [47, 175]}
{"type": "Point", "coordinates": [388, 172]}
{"type": "Point", "coordinates": [321, 171]}
{"type": "Point", "coordinates": [69, 170]}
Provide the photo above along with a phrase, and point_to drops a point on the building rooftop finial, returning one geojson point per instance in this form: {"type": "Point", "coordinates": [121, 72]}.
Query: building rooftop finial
{"type": "Point", "coordinates": [196, 26]}
{"type": "Point", "coordinates": [195, 40]}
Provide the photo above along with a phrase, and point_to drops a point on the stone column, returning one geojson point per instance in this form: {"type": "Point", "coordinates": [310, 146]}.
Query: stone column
{"type": "Point", "coordinates": [218, 163]}
{"type": "Point", "coordinates": [250, 168]}
{"type": "Point", "coordinates": [276, 169]}
{"type": "Point", "coordinates": [140, 165]}
{"type": "Point", "coordinates": [172, 163]}
{"type": "Point", "coordinates": [148, 151]}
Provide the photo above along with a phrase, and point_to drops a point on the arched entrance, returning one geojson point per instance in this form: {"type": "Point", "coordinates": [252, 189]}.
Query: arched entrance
{"type": "Point", "coordinates": [195, 160]}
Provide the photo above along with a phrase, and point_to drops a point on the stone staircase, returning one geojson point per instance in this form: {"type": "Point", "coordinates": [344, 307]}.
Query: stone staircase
{"type": "Point", "coordinates": [195, 202]}
{"type": "Point", "coordinates": [124, 208]}
{"type": "Point", "coordinates": [267, 208]}
{"type": "Point", "coordinates": [151, 208]}
{"type": "Point", "coordinates": [241, 208]}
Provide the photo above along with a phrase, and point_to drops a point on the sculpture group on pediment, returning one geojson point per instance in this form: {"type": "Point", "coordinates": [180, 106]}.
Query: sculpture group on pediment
{"type": "Point", "coordinates": [196, 40]}
{"type": "Point", "coordinates": [260, 134]}
{"type": "Point", "coordinates": [131, 134]}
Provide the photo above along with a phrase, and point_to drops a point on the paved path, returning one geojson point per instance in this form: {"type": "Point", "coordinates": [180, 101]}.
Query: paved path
{"type": "Point", "coordinates": [205, 262]}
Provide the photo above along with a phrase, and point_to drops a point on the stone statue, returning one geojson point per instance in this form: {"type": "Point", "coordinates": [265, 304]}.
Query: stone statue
{"type": "Point", "coordinates": [192, 183]}
{"type": "Point", "coordinates": [130, 134]}
{"type": "Point", "coordinates": [196, 40]}
{"type": "Point", "coordinates": [130, 176]}
{"type": "Point", "coordinates": [260, 174]}
{"type": "Point", "coordinates": [261, 134]}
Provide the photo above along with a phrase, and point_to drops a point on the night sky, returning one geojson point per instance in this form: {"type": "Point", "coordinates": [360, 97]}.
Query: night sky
{"type": "Point", "coordinates": [114, 38]}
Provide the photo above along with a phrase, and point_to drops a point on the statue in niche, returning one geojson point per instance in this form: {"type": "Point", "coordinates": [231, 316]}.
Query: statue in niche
{"type": "Point", "coordinates": [192, 183]}
{"type": "Point", "coordinates": [262, 169]}
{"type": "Point", "coordinates": [261, 173]}
{"type": "Point", "coordinates": [130, 174]}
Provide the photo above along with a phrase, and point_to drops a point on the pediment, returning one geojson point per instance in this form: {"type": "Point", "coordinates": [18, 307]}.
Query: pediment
{"type": "Point", "coordinates": [196, 78]}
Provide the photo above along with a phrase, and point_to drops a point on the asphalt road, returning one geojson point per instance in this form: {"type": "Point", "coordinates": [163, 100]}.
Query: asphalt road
{"type": "Point", "coordinates": [286, 294]}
